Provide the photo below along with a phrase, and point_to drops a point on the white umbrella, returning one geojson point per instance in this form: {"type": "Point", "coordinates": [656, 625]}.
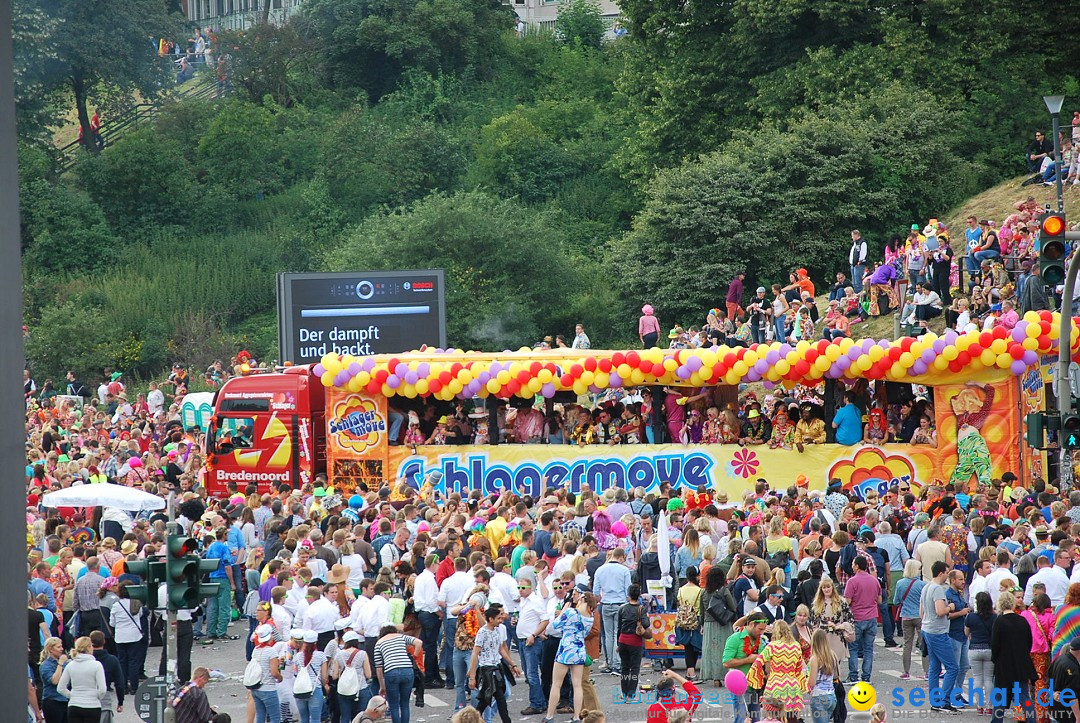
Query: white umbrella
{"type": "Point", "coordinates": [663, 548]}
{"type": "Point", "coordinates": [103, 495]}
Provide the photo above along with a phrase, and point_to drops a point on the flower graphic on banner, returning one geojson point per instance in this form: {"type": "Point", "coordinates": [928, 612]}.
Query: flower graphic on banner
{"type": "Point", "coordinates": [356, 423]}
{"type": "Point", "coordinates": [745, 464]}
{"type": "Point", "coordinates": [872, 467]}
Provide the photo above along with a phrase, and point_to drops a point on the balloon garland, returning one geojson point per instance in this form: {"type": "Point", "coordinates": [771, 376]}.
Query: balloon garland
{"type": "Point", "coordinates": [929, 359]}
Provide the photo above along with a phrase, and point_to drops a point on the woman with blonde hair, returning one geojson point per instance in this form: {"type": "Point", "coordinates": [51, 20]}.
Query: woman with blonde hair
{"type": "Point", "coordinates": [822, 669]}
{"type": "Point", "coordinates": [83, 683]}
{"type": "Point", "coordinates": [832, 613]}
{"type": "Point", "coordinates": [906, 598]}
{"type": "Point", "coordinates": [53, 661]}
{"type": "Point", "coordinates": [1010, 649]}
{"type": "Point", "coordinates": [782, 664]}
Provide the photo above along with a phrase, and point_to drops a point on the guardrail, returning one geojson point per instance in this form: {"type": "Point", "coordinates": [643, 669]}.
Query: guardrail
{"type": "Point", "coordinates": [141, 113]}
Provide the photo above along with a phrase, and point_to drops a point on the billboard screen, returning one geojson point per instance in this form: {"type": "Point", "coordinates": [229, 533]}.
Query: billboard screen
{"type": "Point", "coordinates": [360, 313]}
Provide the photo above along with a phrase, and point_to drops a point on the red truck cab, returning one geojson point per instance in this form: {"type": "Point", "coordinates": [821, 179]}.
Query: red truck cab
{"type": "Point", "coordinates": [267, 428]}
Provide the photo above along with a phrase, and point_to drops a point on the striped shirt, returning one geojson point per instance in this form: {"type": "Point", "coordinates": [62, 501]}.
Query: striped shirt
{"type": "Point", "coordinates": [86, 592]}
{"type": "Point", "coordinates": [391, 653]}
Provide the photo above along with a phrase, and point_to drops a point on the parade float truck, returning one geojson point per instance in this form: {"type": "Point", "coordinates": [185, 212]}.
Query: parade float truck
{"type": "Point", "coordinates": [333, 417]}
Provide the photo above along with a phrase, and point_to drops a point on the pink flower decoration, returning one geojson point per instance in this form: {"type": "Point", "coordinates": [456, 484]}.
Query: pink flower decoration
{"type": "Point", "coordinates": [745, 463]}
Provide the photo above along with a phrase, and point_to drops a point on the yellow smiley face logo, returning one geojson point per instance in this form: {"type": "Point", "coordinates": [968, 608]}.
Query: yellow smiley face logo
{"type": "Point", "coordinates": [861, 697]}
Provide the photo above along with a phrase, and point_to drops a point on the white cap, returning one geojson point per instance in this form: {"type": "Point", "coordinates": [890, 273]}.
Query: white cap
{"type": "Point", "coordinates": [297, 634]}
{"type": "Point", "coordinates": [341, 624]}
{"type": "Point", "coordinates": [350, 635]}
{"type": "Point", "coordinates": [310, 636]}
{"type": "Point", "coordinates": [264, 633]}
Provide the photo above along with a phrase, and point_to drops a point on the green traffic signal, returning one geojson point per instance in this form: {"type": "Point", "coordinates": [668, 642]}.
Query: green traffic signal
{"type": "Point", "coordinates": [1070, 431]}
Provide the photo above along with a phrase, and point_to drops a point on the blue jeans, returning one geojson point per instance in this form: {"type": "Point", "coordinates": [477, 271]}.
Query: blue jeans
{"type": "Point", "coordinates": [941, 652]}
{"type": "Point", "coordinates": [311, 708]}
{"type": "Point", "coordinates": [219, 610]}
{"type": "Point", "coordinates": [430, 624]}
{"type": "Point", "coordinates": [916, 277]}
{"type": "Point", "coordinates": [857, 272]}
{"type": "Point", "coordinates": [738, 708]}
{"type": "Point", "coordinates": [822, 707]}
{"type": "Point", "coordinates": [981, 256]}
{"type": "Point", "coordinates": [863, 644]}
{"type": "Point", "coordinates": [461, 677]}
{"type": "Point", "coordinates": [396, 420]}
{"type": "Point", "coordinates": [350, 707]}
{"type": "Point", "coordinates": [609, 633]}
{"type": "Point", "coordinates": [530, 656]}
{"type": "Point", "coordinates": [399, 684]}
{"type": "Point", "coordinates": [888, 625]}
{"type": "Point", "coordinates": [962, 666]}
{"type": "Point", "coordinates": [266, 706]}
{"type": "Point", "coordinates": [746, 706]}
{"type": "Point", "coordinates": [447, 655]}
{"type": "Point", "coordinates": [778, 326]}
{"type": "Point", "coordinates": [250, 646]}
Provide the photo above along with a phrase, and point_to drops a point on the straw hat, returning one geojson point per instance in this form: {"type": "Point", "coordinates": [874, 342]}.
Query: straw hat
{"type": "Point", "coordinates": [338, 574]}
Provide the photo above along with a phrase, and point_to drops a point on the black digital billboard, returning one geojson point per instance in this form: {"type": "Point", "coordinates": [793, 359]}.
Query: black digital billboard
{"type": "Point", "coordinates": [359, 313]}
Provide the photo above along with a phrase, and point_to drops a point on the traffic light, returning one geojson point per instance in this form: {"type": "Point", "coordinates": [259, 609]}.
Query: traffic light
{"type": "Point", "coordinates": [183, 570]}
{"type": "Point", "coordinates": [1052, 248]}
{"type": "Point", "coordinates": [1036, 426]}
{"type": "Point", "coordinates": [153, 574]}
{"type": "Point", "coordinates": [1070, 431]}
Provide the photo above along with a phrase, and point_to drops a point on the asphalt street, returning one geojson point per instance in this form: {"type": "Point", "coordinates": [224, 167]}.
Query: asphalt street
{"type": "Point", "coordinates": [229, 695]}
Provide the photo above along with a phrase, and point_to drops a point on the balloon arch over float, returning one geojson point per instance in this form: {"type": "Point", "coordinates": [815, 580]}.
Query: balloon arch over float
{"type": "Point", "coordinates": [1011, 362]}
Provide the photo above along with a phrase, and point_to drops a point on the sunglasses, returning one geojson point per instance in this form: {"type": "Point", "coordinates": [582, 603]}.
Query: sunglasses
{"type": "Point", "coordinates": [524, 587]}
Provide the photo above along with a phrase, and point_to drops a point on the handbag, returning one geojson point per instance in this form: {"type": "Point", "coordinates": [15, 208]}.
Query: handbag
{"type": "Point", "coordinates": [643, 630]}
{"type": "Point", "coordinates": [687, 617]}
{"type": "Point", "coordinates": [718, 609]}
{"type": "Point", "coordinates": [896, 613]}
{"type": "Point", "coordinates": [840, 712]}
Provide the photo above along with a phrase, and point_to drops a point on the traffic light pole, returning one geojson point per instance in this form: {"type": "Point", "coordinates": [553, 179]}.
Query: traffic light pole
{"type": "Point", "coordinates": [1064, 390]}
{"type": "Point", "coordinates": [170, 627]}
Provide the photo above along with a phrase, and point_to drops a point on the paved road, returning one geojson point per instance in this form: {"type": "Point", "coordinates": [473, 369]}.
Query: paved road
{"type": "Point", "coordinates": [229, 695]}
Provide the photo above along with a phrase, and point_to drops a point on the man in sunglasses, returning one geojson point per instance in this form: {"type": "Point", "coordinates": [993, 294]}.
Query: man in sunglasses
{"type": "Point", "coordinates": [532, 616]}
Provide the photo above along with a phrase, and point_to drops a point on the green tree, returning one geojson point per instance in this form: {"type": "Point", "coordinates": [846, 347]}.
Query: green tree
{"type": "Point", "coordinates": [370, 44]}
{"type": "Point", "coordinates": [272, 60]}
{"type": "Point", "coordinates": [239, 151]}
{"type": "Point", "coordinates": [508, 277]}
{"type": "Point", "coordinates": [101, 56]}
{"type": "Point", "coordinates": [515, 157]}
{"type": "Point", "coordinates": [71, 335]}
{"type": "Point", "coordinates": [580, 22]}
{"type": "Point", "coordinates": [142, 181]}
{"type": "Point", "coordinates": [64, 231]}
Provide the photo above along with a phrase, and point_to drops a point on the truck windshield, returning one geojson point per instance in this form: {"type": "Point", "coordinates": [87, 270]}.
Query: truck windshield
{"type": "Point", "coordinates": [233, 433]}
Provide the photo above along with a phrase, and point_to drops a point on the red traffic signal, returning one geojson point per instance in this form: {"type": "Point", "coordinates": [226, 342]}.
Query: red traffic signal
{"type": "Point", "coordinates": [1052, 224]}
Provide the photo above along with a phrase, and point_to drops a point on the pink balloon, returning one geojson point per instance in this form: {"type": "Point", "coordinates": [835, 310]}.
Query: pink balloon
{"type": "Point", "coordinates": [735, 681]}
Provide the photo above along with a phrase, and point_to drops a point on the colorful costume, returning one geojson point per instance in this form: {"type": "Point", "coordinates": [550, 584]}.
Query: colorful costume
{"type": "Point", "coordinates": [972, 454]}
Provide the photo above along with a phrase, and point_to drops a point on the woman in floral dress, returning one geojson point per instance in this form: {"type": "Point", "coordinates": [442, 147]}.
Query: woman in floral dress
{"type": "Point", "coordinates": [832, 613]}
{"type": "Point", "coordinates": [574, 619]}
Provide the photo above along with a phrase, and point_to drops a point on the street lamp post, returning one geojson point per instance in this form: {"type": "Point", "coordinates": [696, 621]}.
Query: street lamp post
{"type": "Point", "coordinates": [1053, 104]}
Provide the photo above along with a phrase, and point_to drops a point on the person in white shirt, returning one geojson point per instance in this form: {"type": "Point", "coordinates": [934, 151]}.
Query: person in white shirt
{"type": "Point", "coordinates": [1052, 576]}
{"type": "Point", "coordinates": [979, 581]}
{"type": "Point", "coordinates": [281, 617]}
{"type": "Point", "coordinates": [155, 400]}
{"type": "Point", "coordinates": [322, 613]}
{"type": "Point", "coordinates": [367, 590]}
{"type": "Point", "coordinates": [532, 613]}
{"type": "Point", "coordinates": [374, 615]}
{"type": "Point", "coordinates": [1003, 571]}
{"type": "Point", "coordinates": [426, 604]}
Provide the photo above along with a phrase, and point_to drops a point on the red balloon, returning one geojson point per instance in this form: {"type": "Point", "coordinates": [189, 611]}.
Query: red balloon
{"type": "Point", "coordinates": [822, 345]}
{"type": "Point", "coordinates": [801, 367]}
{"type": "Point", "coordinates": [373, 387]}
{"type": "Point", "coordinates": [604, 365]}
{"type": "Point", "coordinates": [590, 363]}
{"type": "Point", "coordinates": [1045, 326]}
{"type": "Point", "coordinates": [435, 386]}
{"type": "Point", "coordinates": [523, 377]}
{"type": "Point", "coordinates": [730, 359]}
{"type": "Point", "coordinates": [535, 368]}
{"type": "Point", "coordinates": [678, 356]}
{"type": "Point", "coordinates": [973, 350]}
{"type": "Point", "coordinates": [550, 366]}
{"type": "Point", "coordinates": [633, 358]}
{"type": "Point", "coordinates": [512, 386]}
{"type": "Point", "coordinates": [955, 366]}
{"type": "Point", "coordinates": [618, 358]}
{"type": "Point", "coordinates": [1046, 316]}
{"type": "Point", "coordinates": [1016, 351]}
{"type": "Point", "coordinates": [576, 370]}
{"type": "Point", "coordinates": [986, 339]}
{"type": "Point", "coordinates": [964, 357]}
{"type": "Point", "coordinates": [905, 344]}
{"type": "Point", "coordinates": [896, 351]}
{"type": "Point", "coordinates": [812, 355]}
{"type": "Point", "coordinates": [381, 375]}
{"type": "Point", "coordinates": [392, 364]}
{"type": "Point", "coordinates": [999, 332]}
{"type": "Point", "coordinates": [445, 377]}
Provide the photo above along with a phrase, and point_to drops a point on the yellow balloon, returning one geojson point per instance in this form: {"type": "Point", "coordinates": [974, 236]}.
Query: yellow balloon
{"type": "Point", "coordinates": [731, 378]}
{"type": "Point", "coordinates": [387, 391]}
{"type": "Point", "coordinates": [408, 391]}
{"type": "Point", "coordinates": [670, 364]}
{"type": "Point", "coordinates": [963, 342]}
{"type": "Point", "coordinates": [705, 374]}
{"type": "Point", "coordinates": [580, 388]}
{"type": "Point", "coordinates": [535, 385]}
{"type": "Point", "coordinates": [906, 360]}
{"type": "Point", "coordinates": [587, 377]}
{"type": "Point", "coordinates": [327, 378]}
{"type": "Point", "coordinates": [999, 346]}
{"type": "Point", "coordinates": [782, 367]}
{"type": "Point", "coordinates": [988, 357]}
{"type": "Point", "coordinates": [1031, 317]}
{"type": "Point", "coordinates": [792, 358]}
{"type": "Point", "coordinates": [1055, 330]}
{"type": "Point", "coordinates": [502, 377]}
{"type": "Point", "coordinates": [354, 385]}
{"type": "Point", "coordinates": [1004, 361]}
{"type": "Point", "coordinates": [917, 348]}
{"type": "Point", "coordinates": [865, 362]}
{"type": "Point", "coordinates": [624, 370]}
{"type": "Point", "coordinates": [1034, 330]}
{"type": "Point", "coordinates": [422, 386]}
{"type": "Point", "coordinates": [802, 346]}
{"type": "Point", "coordinates": [950, 353]}
{"type": "Point", "coordinates": [364, 378]}
{"type": "Point", "coordinates": [740, 368]}
{"type": "Point", "coordinates": [750, 358]}
{"type": "Point", "coordinates": [654, 355]}
{"type": "Point", "coordinates": [464, 376]}
{"type": "Point", "coordinates": [875, 353]}
{"type": "Point", "coordinates": [455, 386]}
{"type": "Point", "coordinates": [845, 344]}
{"type": "Point", "coordinates": [493, 385]}
{"type": "Point", "coordinates": [832, 352]}
{"type": "Point", "coordinates": [708, 358]}
{"type": "Point", "coordinates": [545, 376]}
{"type": "Point", "coordinates": [637, 376]}
{"type": "Point", "coordinates": [941, 363]}
{"type": "Point", "coordinates": [1030, 343]}
{"type": "Point", "coordinates": [822, 364]}
{"type": "Point", "coordinates": [601, 380]}
{"type": "Point", "coordinates": [328, 359]}
{"type": "Point", "coordinates": [695, 379]}
{"type": "Point", "coordinates": [515, 369]}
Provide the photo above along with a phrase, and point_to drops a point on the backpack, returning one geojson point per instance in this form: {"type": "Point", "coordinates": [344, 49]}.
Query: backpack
{"type": "Point", "coordinates": [468, 624]}
{"type": "Point", "coordinates": [780, 560]}
{"type": "Point", "coordinates": [688, 616]}
{"type": "Point", "coordinates": [379, 543]}
{"type": "Point", "coordinates": [253, 675]}
{"type": "Point", "coordinates": [303, 686]}
{"type": "Point", "coordinates": [718, 608]}
{"type": "Point", "coordinates": [348, 684]}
